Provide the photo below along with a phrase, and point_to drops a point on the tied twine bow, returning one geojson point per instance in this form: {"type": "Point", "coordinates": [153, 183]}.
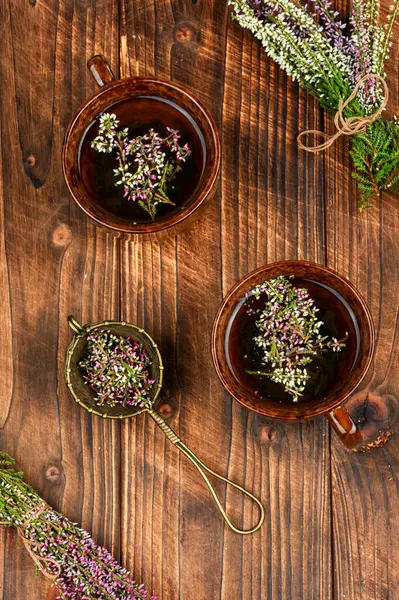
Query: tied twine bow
{"type": "Point", "coordinates": [349, 126]}
{"type": "Point", "coordinates": [42, 563]}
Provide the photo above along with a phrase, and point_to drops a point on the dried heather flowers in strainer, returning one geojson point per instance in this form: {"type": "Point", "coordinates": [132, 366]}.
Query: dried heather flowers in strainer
{"type": "Point", "coordinates": [117, 369]}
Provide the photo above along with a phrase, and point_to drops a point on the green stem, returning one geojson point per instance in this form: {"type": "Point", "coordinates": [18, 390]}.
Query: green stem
{"type": "Point", "coordinates": [388, 34]}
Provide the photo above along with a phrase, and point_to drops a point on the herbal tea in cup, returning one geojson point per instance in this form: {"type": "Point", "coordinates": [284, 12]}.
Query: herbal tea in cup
{"type": "Point", "coordinates": [290, 339]}
{"type": "Point", "coordinates": [143, 160]}
{"type": "Point", "coordinates": [293, 340]}
{"type": "Point", "coordinates": [141, 155]}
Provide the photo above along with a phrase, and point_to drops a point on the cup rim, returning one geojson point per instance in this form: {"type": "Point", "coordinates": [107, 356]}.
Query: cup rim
{"type": "Point", "coordinates": [150, 227]}
{"type": "Point", "coordinates": [218, 331]}
{"type": "Point", "coordinates": [86, 329]}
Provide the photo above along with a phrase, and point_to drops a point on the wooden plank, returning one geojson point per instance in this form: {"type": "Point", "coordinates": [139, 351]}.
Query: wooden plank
{"type": "Point", "coordinates": [274, 208]}
{"type": "Point", "coordinates": [150, 464]}
{"type": "Point", "coordinates": [363, 247]}
{"type": "Point", "coordinates": [268, 208]}
{"type": "Point", "coordinates": [52, 263]}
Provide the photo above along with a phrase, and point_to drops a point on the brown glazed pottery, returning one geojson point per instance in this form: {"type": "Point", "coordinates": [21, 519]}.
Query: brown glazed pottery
{"type": "Point", "coordinates": [115, 91]}
{"type": "Point", "coordinates": [331, 402]}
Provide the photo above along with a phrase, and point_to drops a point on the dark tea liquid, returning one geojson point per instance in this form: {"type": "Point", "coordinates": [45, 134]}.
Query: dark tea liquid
{"type": "Point", "coordinates": [139, 115]}
{"type": "Point", "coordinates": [330, 368]}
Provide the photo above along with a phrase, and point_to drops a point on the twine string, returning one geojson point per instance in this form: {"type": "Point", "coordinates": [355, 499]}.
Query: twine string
{"type": "Point", "coordinates": [42, 563]}
{"type": "Point", "coordinates": [350, 125]}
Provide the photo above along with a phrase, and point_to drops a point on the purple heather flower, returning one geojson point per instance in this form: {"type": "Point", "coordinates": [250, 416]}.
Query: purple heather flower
{"type": "Point", "coordinates": [81, 569]}
{"type": "Point", "coordinates": [155, 159]}
{"type": "Point", "coordinates": [288, 334]}
{"type": "Point", "coordinates": [116, 368]}
{"type": "Point", "coordinates": [361, 51]}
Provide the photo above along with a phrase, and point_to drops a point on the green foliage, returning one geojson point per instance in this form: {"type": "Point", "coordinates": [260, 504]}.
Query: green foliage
{"type": "Point", "coordinates": [62, 550]}
{"type": "Point", "coordinates": [6, 467]}
{"type": "Point", "coordinates": [375, 155]}
{"type": "Point", "coordinates": [6, 460]}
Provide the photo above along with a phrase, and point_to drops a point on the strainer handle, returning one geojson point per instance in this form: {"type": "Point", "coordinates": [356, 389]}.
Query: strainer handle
{"type": "Point", "coordinates": [204, 469]}
{"type": "Point", "coordinates": [74, 325]}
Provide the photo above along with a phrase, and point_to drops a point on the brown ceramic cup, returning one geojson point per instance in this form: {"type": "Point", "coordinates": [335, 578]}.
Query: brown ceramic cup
{"type": "Point", "coordinates": [358, 354]}
{"type": "Point", "coordinates": [170, 95]}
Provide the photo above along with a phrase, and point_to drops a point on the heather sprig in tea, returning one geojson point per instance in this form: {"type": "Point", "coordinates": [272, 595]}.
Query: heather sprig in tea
{"type": "Point", "coordinates": [147, 164]}
{"type": "Point", "coordinates": [289, 334]}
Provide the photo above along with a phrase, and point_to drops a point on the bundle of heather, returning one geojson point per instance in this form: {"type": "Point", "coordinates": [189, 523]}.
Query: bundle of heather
{"type": "Point", "coordinates": [342, 65]}
{"type": "Point", "coordinates": [62, 551]}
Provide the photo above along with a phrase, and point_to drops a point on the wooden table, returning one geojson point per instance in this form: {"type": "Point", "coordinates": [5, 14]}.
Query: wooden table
{"type": "Point", "coordinates": [332, 518]}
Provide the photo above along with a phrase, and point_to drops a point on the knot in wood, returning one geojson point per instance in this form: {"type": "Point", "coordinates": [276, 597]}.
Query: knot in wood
{"type": "Point", "coordinates": [369, 407]}
{"type": "Point", "coordinates": [62, 236]}
{"type": "Point", "coordinates": [52, 473]}
{"type": "Point", "coordinates": [185, 33]}
{"type": "Point", "coordinates": [30, 161]}
{"type": "Point", "coordinates": [265, 432]}
{"type": "Point", "coordinates": [166, 411]}
{"type": "Point", "coordinates": [374, 413]}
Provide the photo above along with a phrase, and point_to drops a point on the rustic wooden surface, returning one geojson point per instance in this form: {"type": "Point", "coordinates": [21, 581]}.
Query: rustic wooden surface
{"type": "Point", "coordinates": [332, 518]}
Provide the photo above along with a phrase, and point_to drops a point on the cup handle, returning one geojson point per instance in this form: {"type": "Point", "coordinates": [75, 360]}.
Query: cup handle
{"type": "Point", "coordinates": [100, 69]}
{"type": "Point", "coordinates": [204, 469]}
{"type": "Point", "coordinates": [345, 427]}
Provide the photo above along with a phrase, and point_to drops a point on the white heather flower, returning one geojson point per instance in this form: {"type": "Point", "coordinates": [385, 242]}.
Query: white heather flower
{"type": "Point", "coordinates": [289, 336]}
{"type": "Point", "coordinates": [153, 170]}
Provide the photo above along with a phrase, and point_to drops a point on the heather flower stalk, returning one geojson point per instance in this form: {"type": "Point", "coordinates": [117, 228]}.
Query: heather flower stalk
{"type": "Point", "coordinates": [294, 39]}
{"type": "Point", "coordinates": [117, 369]}
{"type": "Point", "coordinates": [332, 27]}
{"type": "Point", "coordinates": [147, 163]}
{"type": "Point", "coordinates": [328, 59]}
{"type": "Point", "coordinates": [79, 568]}
{"type": "Point", "coordinates": [289, 334]}
{"type": "Point", "coordinates": [361, 54]}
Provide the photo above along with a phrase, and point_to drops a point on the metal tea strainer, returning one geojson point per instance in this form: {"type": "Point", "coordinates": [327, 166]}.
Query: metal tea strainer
{"type": "Point", "coordinates": [85, 396]}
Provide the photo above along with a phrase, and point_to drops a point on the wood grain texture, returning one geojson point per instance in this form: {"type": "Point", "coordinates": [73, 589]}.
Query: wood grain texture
{"type": "Point", "coordinates": [52, 263]}
{"type": "Point", "coordinates": [365, 487]}
{"type": "Point", "coordinates": [173, 289]}
{"type": "Point", "coordinates": [331, 516]}
{"type": "Point", "coordinates": [365, 502]}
